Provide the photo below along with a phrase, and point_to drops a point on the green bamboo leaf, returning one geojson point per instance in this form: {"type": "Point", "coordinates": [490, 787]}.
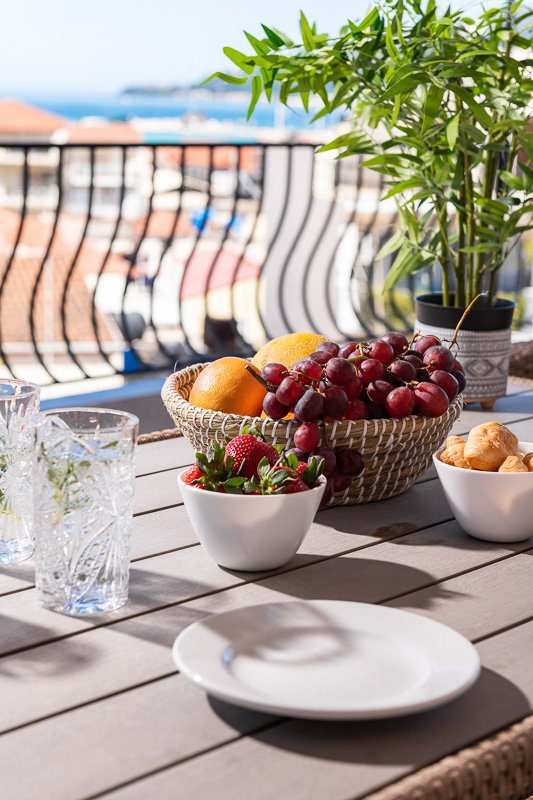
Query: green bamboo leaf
{"type": "Point", "coordinates": [510, 180]}
{"type": "Point", "coordinates": [391, 245]}
{"type": "Point", "coordinates": [273, 37]}
{"type": "Point", "coordinates": [478, 110]}
{"type": "Point", "coordinates": [239, 59]}
{"type": "Point", "coordinates": [226, 78]}
{"type": "Point", "coordinates": [480, 248]}
{"type": "Point", "coordinates": [452, 129]}
{"type": "Point", "coordinates": [432, 105]}
{"type": "Point", "coordinates": [389, 43]}
{"type": "Point", "coordinates": [402, 86]}
{"type": "Point", "coordinates": [402, 186]}
{"type": "Point", "coordinates": [262, 48]}
{"type": "Point", "coordinates": [257, 85]}
{"type": "Point", "coordinates": [307, 33]}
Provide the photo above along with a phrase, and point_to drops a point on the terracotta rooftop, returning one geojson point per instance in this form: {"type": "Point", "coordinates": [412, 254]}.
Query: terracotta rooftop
{"type": "Point", "coordinates": [19, 285]}
{"type": "Point", "coordinates": [20, 118]}
{"type": "Point", "coordinates": [104, 133]}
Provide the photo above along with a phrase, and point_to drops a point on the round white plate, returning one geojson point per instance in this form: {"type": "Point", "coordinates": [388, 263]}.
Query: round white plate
{"type": "Point", "coordinates": [327, 659]}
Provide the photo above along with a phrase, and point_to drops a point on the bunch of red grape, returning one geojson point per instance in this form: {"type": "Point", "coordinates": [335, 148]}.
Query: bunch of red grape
{"type": "Point", "coordinates": [341, 464]}
{"type": "Point", "coordinates": [389, 377]}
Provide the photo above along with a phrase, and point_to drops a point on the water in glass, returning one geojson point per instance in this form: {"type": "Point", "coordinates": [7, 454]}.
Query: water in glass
{"type": "Point", "coordinates": [19, 404]}
{"type": "Point", "coordinates": [84, 473]}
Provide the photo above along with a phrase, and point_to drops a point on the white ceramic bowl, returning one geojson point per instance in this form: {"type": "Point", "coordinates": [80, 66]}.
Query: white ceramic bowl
{"type": "Point", "coordinates": [251, 532]}
{"type": "Point", "coordinates": [496, 506]}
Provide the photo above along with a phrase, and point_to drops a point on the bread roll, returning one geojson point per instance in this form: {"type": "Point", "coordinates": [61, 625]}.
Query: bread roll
{"type": "Point", "coordinates": [513, 464]}
{"type": "Point", "coordinates": [488, 445]}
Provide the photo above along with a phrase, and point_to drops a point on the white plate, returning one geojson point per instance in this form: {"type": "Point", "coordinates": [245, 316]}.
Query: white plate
{"type": "Point", "coordinates": [326, 659]}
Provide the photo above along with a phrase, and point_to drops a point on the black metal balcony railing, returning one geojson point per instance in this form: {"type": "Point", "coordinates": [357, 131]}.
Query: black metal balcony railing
{"type": "Point", "coordinates": [121, 258]}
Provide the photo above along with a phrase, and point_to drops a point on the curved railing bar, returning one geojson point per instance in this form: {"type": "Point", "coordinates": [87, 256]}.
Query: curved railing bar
{"type": "Point", "coordinates": [132, 258]}
{"type": "Point", "coordinates": [327, 219]}
{"type": "Point", "coordinates": [107, 255]}
{"type": "Point", "coordinates": [193, 251]}
{"type": "Point", "coordinates": [166, 245]}
{"type": "Point", "coordinates": [40, 271]}
{"type": "Point", "coordinates": [279, 224]}
{"type": "Point", "coordinates": [329, 270]}
{"type": "Point", "coordinates": [368, 273]}
{"type": "Point", "coordinates": [293, 245]}
{"type": "Point", "coordinates": [72, 267]}
{"type": "Point", "coordinates": [236, 268]}
{"type": "Point", "coordinates": [9, 264]}
{"type": "Point", "coordinates": [225, 235]}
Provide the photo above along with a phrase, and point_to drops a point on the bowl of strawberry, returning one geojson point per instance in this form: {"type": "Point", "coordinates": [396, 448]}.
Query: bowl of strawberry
{"type": "Point", "coordinates": [250, 505]}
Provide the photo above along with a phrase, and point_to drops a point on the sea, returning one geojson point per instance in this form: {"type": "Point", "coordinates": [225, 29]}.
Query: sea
{"type": "Point", "coordinates": [124, 107]}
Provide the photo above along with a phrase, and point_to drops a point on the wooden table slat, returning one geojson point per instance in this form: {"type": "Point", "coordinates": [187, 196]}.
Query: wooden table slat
{"type": "Point", "coordinates": [96, 704]}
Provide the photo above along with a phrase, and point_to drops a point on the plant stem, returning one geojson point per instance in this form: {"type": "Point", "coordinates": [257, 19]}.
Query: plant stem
{"type": "Point", "coordinates": [446, 253]}
{"type": "Point", "coordinates": [464, 316]}
{"type": "Point", "coordinates": [462, 221]}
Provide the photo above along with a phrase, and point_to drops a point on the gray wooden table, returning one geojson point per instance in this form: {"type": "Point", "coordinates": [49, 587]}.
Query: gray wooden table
{"type": "Point", "coordinates": [95, 708]}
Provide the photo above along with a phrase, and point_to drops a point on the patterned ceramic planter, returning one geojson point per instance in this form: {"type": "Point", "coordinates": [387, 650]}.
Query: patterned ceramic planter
{"type": "Point", "coordinates": [484, 343]}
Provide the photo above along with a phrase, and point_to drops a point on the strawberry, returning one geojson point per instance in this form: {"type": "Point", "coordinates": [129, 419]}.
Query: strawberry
{"type": "Point", "coordinates": [293, 482]}
{"type": "Point", "coordinates": [191, 477]}
{"type": "Point", "coordinates": [247, 451]}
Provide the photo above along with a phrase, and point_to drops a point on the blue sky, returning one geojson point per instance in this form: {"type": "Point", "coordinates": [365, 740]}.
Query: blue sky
{"type": "Point", "coordinates": [102, 45]}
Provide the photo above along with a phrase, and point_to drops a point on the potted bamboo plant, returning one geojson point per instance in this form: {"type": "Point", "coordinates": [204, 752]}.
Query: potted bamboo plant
{"type": "Point", "coordinates": [438, 101]}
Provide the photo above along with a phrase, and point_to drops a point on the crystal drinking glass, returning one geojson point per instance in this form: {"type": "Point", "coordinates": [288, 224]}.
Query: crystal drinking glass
{"type": "Point", "coordinates": [19, 405]}
{"type": "Point", "coordinates": [84, 473]}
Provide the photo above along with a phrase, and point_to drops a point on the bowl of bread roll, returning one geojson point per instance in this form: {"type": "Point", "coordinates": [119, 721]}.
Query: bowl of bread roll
{"type": "Point", "coordinates": [488, 481]}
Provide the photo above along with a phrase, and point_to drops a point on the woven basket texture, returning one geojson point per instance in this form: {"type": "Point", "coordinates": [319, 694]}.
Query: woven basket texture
{"type": "Point", "coordinates": [396, 452]}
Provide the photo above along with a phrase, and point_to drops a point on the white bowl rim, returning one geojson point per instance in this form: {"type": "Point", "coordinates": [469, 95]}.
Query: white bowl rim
{"type": "Point", "coordinates": [484, 471]}
{"type": "Point", "coordinates": [228, 495]}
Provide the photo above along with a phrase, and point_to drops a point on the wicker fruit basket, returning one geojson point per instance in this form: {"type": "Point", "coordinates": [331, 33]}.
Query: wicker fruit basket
{"type": "Point", "coordinates": [396, 451]}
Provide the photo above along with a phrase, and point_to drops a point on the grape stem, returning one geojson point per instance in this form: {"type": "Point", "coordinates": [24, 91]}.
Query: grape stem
{"type": "Point", "coordinates": [258, 377]}
{"type": "Point", "coordinates": [465, 314]}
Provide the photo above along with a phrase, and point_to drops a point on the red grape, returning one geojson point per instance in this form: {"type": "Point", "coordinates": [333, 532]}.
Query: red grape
{"type": "Point", "coordinates": [335, 402]}
{"type": "Point", "coordinates": [320, 356]}
{"type": "Point", "coordinates": [377, 391]}
{"type": "Point", "coordinates": [329, 347]}
{"type": "Point", "coordinates": [430, 399]}
{"type": "Point", "coordinates": [327, 497]}
{"type": "Point", "coordinates": [400, 402]}
{"type": "Point", "coordinates": [340, 371]}
{"type": "Point", "coordinates": [439, 357]}
{"type": "Point", "coordinates": [460, 378]}
{"type": "Point", "coordinates": [309, 407]}
{"type": "Point", "coordinates": [273, 408]}
{"type": "Point", "coordinates": [348, 349]}
{"type": "Point", "coordinates": [413, 358]}
{"type": "Point", "coordinates": [311, 369]}
{"type": "Point", "coordinates": [341, 482]}
{"type": "Point", "coordinates": [425, 342]}
{"type": "Point", "coordinates": [458, 367]}
{"type": "Point", "coordinates": [357, 410]}
{"type": "Point", "coordinates": [330, 460]}
{"type": "Point", "coordinates": [349, 461]}
{"type": "Point", "coordinates": [371, 370]}
{"type": "Point", "coordinates": [403, 370]}
{"type": "Point", "coordinates": [377, 411]}
{"type": "Point", "coordinates": [397, 341]}
{"type": "Point", "coordinates": [289, 391]}
{"type": "Point", "coordinates": [273, 373]}
{"type": "Point", "coordinates": [295, 451]}
{"type": "Point", "coordinates": [354, 388]}
{"type": "Point", "coordinates": [446, 381]}
{"type": "Point", "coordinates": [382, 351]}
{"type": "Point", "coordinates": [307, 437]}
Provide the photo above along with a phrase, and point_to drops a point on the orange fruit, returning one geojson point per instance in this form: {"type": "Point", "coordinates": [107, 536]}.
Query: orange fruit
{"type": "Point", "coordinates": [288, 349]}
{"type": "Point", "coordinates": [226, 385]}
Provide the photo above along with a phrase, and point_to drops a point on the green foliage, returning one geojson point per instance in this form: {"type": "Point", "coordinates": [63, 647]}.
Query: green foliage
{"type": "Point", "coordinates": [439, 103]}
